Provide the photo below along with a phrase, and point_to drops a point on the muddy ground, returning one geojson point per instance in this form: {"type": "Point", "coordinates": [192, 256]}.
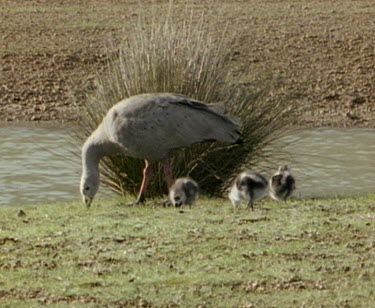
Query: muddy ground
{"type": "Point", "coordinates": [322, 51]}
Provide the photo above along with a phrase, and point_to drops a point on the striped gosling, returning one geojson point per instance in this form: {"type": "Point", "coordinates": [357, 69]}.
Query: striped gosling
{"type": "Point", "coordinates": [281, 184]}
{"type": "Point", "coordinates": [183, 191]}
{"type": "Point", "coordinates": [248, 186]}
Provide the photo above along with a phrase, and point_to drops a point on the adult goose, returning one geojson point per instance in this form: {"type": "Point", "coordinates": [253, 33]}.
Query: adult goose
{"type": "Point", "coordinates": [150, 127]}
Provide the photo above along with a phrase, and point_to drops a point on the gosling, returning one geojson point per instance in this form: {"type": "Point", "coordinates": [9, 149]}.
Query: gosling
{"type": "Point", "coordinates": [184, 191]}
{"type": "Point", "coordinates": [248, 186]}
{"type": "Point", "coordinates": [282, 184]}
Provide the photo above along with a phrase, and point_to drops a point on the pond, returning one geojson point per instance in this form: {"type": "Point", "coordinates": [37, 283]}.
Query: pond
{"type": "Point", "coordinates": [333, 162]}
{"type": "Point", "coordinates": [38, 165]}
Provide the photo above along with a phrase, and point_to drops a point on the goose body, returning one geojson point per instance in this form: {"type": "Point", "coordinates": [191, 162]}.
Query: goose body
{"type": "Point", "coordinates": [149, 126]}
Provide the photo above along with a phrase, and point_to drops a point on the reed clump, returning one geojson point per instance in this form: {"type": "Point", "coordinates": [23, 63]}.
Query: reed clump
{"type": "Point", "coordinates": [165, 55]}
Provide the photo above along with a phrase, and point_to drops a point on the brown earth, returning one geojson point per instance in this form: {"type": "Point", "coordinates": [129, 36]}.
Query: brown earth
{"type": "Point", "coordinates": [323, 51]}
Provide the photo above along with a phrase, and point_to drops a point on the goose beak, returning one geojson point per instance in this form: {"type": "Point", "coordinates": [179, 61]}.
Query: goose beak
{"type": "Point", "coordinates": [87, 201]}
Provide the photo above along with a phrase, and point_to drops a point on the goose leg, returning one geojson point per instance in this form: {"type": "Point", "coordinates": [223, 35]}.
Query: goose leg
{"type": "Point", "coordinates": [250, 204]}
{"type": "Point", "coordinates": [147, 174]}
{"type": "Point", "coordinates": [168, 173]}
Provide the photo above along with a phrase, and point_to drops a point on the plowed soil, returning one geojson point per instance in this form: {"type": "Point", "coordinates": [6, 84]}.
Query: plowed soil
{"type": "Point", "coordinates": [323, 51]}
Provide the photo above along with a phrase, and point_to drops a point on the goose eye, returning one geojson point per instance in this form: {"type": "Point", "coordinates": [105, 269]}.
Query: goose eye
{"type": "Point", "coordinates": [87, 188]}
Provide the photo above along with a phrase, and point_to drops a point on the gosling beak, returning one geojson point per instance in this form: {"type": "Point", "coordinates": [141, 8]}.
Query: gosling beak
{"type": "Point", "coordinates": [178, 203]}
{"type": "Point", "coordinates": [87, 201]}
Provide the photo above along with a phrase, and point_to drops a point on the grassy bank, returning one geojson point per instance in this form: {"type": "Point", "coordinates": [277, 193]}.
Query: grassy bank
{"type": "Point", "coordinates": [303, 253]}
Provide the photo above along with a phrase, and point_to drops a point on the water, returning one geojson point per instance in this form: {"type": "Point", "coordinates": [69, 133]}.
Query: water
{"type": "Point", "coordinates": [37, 164]}
{"type": "Point", "coordinates": [333, 162]}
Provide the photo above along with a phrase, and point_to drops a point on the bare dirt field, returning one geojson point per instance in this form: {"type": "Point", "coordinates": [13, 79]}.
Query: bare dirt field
{"type": "Point", "coordinates": [322, 51]}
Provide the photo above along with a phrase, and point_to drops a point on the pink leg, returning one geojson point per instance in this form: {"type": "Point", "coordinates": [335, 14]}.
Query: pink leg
{"type": "Point", "coordinates": [147, 174]}
{"type": "Point", "coordinates": [168, 173]}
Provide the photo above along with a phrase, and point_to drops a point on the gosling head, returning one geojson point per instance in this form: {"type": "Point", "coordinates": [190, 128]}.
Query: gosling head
{"type": "Point", "coordinates": [89, 187]}
{"type": "Point", "coordinates": [282, 184]}
{"type": "Point", "coordinates": [183, 191]}
{"type": "Point", "coordinates": [178, 199]}
{"type": "Point", "coordinates": [243, 183]}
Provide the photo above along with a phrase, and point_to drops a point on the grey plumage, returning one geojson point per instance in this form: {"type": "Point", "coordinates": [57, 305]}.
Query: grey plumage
{"type": "Point", "coordinates": [150, 127]}
{"type": "Point", "coordinates": [248, 186]}
{"type": "Point", "coordinates": [184, 191]}
{"type": "Point", "coordinates": [281, 184]}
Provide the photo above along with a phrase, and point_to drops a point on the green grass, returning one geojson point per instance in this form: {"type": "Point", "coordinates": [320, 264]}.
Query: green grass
{"type": "Point", "coordinates": [304, 252]}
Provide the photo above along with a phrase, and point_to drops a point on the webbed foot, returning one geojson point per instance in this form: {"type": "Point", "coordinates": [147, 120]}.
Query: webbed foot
{"type": "Point", "coordinates": [140, 200]}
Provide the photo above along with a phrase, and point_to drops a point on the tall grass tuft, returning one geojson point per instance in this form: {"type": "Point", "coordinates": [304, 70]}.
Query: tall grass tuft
{"type": "Point", "coordinates": [165, 55]}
